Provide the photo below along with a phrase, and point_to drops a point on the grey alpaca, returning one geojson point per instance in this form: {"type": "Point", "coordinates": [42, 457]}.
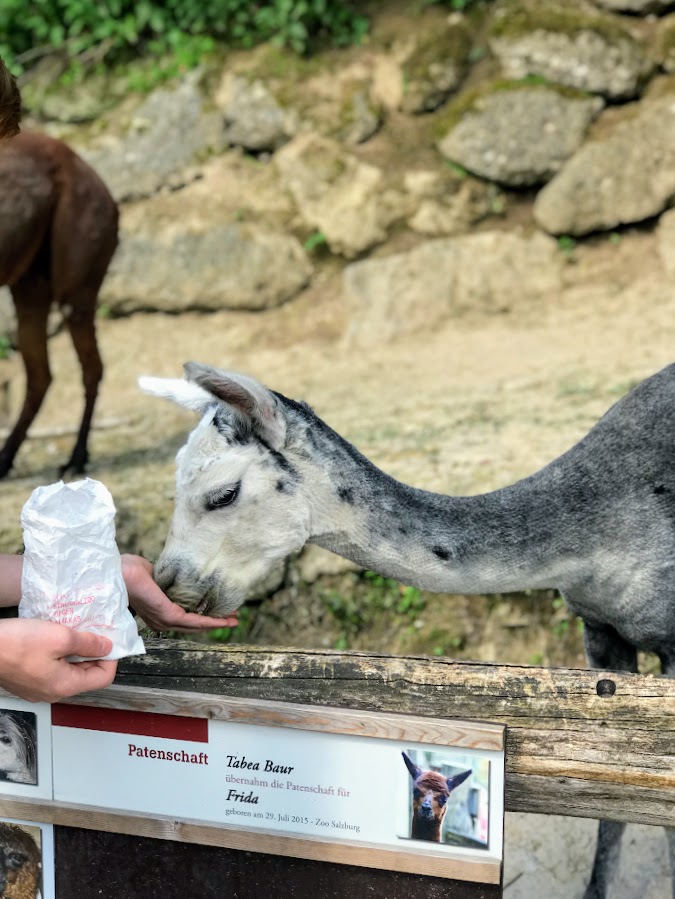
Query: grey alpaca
{"type": "Point", "coordinates": [262, 475]}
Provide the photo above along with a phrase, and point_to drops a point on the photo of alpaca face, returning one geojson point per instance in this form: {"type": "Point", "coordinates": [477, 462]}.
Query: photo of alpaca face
{"type": "Point", "coordinates": [20, 861]}
{"type": "Point", "coordinates": [18, 747]}
{"type": "Point", "coordinates": [448, 798]}
{"type": "Point", "coordinates": [431, 792]}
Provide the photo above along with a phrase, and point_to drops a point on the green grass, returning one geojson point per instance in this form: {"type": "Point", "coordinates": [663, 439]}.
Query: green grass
{"type": "Point", "coordinates": [374, 596]}
{"type": "Point", "coordinates": [236, 634]}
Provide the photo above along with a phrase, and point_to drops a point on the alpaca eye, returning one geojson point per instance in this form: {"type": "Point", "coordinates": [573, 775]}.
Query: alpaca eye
{"type": "Point", "coordinates": [442, 800]}
{"type": "Point", "coordinates": [6, 740]}
{"type": "Point", "coordinates": [222, 498]}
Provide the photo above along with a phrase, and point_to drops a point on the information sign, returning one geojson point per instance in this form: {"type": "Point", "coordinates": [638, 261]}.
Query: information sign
{"type": "Point", "coordinates": [373, 789]}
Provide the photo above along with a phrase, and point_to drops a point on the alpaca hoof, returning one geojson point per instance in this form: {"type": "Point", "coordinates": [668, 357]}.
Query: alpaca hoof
{"type": "Point", "coordinates": [74, 466]}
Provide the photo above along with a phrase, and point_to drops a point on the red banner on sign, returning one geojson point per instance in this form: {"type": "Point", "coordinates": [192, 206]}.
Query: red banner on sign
{"type": "Point", "coordinates": [119, 721]}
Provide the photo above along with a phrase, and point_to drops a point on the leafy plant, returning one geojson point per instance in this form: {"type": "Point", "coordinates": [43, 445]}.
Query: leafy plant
{"type": "Point", "coordinates": [458, 5]}
{"type": "Point", "coordinates": [443, 649]}
{"type": "Point", "coordinates": [565, 619]}
{"type": "Point", "coordinates": [373, 596]}
{"type": "Point", "coordinates": [112, 31]}
{"type": "Point", "coordinates": [457, 169]}
{"type": "Point", "coordinates": [567, 245]}
{"type": "Point", "coordinates": [315, 240]}
{"type": "Point", "coordinates": [236, 634]}
{"type": "Point", "coordinates": [5, 347]}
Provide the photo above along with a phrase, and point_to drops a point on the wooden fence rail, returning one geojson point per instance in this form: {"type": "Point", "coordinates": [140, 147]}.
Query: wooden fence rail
{"type": "Point", "coordinates": [582, 743]}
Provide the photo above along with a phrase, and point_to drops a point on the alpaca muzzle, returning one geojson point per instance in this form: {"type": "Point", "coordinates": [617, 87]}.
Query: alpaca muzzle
{"type": "Point", "coordinates": [426, 810]}
{"type": "Point", "coordinates": [182, 584]}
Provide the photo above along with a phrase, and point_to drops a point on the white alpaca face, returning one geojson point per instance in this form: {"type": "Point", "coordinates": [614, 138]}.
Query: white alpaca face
{"type": "Point", "coordinates": [239, 509]}
{"type": "Point", "coordinates": [12, 754]}
{"type": "Point", "coordinates": [9, 757]}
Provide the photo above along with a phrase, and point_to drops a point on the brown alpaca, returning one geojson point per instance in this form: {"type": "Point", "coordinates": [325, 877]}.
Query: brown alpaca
{"type": "Point", "coordinates": [58, 233]}
{"type": "Point", "coordinates": [10, 103]}
{"type": "Point", "coordinates": [431, 792]}
{"type": "Point", "coordinates": [19, 863]}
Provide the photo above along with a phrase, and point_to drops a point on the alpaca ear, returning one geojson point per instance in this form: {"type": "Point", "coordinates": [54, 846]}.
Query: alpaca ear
{"type": "Point", "coordinates": [245, 395]}
{"type": "Point", "coordinates": [414, 769]}
{"type": "Point", "coordinates": [454, 782]}
{"type": "Point", "coordinates": [190, 396]}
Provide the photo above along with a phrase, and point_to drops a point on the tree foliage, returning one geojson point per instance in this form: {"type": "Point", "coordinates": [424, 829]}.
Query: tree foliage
{"type": "Point", "coordinates": [95, 31]}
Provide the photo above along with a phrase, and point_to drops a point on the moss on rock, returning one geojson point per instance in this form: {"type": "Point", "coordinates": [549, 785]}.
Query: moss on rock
{"type": "Point", "coordinates": [359, 115]}
{"type": "Point", "coordinates": [665, 44]}
{"type": "Point", "coordinates": [436, 67]}
{"type": "Point", "coordinates": [469, 101]}
{"type": "Point", "coordinates": [516, 18]}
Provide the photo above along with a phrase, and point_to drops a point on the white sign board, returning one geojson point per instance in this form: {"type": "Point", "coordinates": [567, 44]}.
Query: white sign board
{"type": "Point", "coordinates": [343, 787]}
{"type": "Point", "coordinates": [394, 785]}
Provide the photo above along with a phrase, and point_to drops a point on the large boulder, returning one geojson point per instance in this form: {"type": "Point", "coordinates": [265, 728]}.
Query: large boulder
{"type": "Point", "coordinates": [225, 266]}
{"type": "Point", "coordinates": [665, 43]}
{"type": "Point", "coordinates": [448, 277]}
{"type": "Point", "coordinates": [344, 199]}
{"type": "Point", "coordinates": [435, 67]}
{"type": "Point", "coordinates": [171, 130]}
{"type": "Point", "coordinates": [340, 105]}
{"type": "Point", "coordinates": [589, 51]}
{"type": "Point", "coordinates": [626, 176]}
{"type": "Point", "coordinates": [315, 562]}
{"type": "Point", "coordinates": [519, 134]}
{"type": "Point", "coordinates": [360, 115]}
{"type": "Point", "coordinates": [253, 118]}
{"type": "Point", "coordinates": [448, 202]}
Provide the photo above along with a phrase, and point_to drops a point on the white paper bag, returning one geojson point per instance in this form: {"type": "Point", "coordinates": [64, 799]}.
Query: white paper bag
{"type": "Point", "coordinates": [72, 571]}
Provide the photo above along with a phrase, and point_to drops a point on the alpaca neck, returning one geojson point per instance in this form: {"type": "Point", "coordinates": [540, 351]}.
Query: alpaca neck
{"type": "Point", "coordinates": [425, 830]}
{"type": "Point", "coordinates": [498, 542]}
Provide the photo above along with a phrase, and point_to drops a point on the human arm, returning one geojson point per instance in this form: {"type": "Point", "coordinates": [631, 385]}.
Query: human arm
{"type": "Point", "coordinates": [10, 580]}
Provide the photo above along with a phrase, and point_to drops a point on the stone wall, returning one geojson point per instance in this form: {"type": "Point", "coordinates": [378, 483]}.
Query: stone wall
{"type": "Point", "coordinates": [240, 181]}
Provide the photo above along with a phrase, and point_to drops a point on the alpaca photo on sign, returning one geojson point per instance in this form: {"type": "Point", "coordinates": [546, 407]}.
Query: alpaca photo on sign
{"type": "Point", "coordinates": [18, 746]}
{"type": "Point", "coordinates": [447, 798]}
{"type": "Point", "coordinates": [20, 861]}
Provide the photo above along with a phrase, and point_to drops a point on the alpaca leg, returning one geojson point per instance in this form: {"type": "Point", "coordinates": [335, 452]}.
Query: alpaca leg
{"type": "Point", "coordinates": [670, 838]}
{"type": "Point", "coordinates": [606, 861]}
{"type": "Point", "coordinates": [605, 649]}
{"type": "Point", "coordinates": [82, 328]}
{"type": "Point", "coordinates": [84, 238]}
{"type": "Point", "coordinates": [32, 301]}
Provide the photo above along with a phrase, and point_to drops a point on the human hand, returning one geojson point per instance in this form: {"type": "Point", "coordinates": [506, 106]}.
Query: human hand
{"type": "Point", "coordinates": [155, 608]}
{"type": "Point", "coordinates": [34, 665]}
